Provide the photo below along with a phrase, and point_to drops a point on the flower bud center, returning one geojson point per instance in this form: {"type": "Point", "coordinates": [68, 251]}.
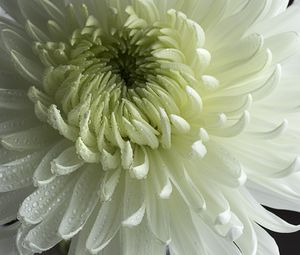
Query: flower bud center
{"type": "Point", "coordinates": [132, 85]}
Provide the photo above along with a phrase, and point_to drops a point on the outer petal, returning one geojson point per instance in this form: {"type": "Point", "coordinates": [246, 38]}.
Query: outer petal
{"type": "Point", "coordinates": [10, 203]}
{"type": "Point", "coordinates": [139, 240]}
{"type": "Point", "coordinates": [8, 239]}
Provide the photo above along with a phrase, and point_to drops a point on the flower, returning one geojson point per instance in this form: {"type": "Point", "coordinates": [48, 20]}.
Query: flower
{"type": "Point", "coordinates": [125, 125]}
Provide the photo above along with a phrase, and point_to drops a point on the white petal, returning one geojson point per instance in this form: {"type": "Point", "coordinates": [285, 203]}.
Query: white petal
{"type": "Point", "coordinates": [17, 124]}
{"type": "Point", "coordinates": [184, 238]}
{"type": "Point", "coordinates": [166, 129]}
{"type": "Point", "coordinates": [133, 207]}
{"type": "Point", "coordinates": [195, 101]}
{"type": "Point", "coordinates": [15, 41]}
{"type": "Point", "coordinates": [66, 162]}
{"type": "Point", "coordinates": [57, 122]}
{"type": "Point", "coordinates": [159, 180]}
{"type": "Point", "coordinates": [53, 11]}
{"type": "Point", "coordinates": [291, 41]}
{"type": "Point", "coordinates": [43, 174]}
{"type": "Point", "coordinates": [219, 158]}
{"type": "Point", "coordinates": [180, 124]}
{"type": "Point", "coordinates": [86, 153]}
{"type": "Point", "coordinates": [214, 244]}
{"type": "Point", "coordinates": [12, 9]}
{"type": "Point", "coordinates": [78, 245]}
{"type": "Point", "coordinates": [31, 139]}
{"type": "Point", "coordinates": [231, 230]}
{"type": "Point", "coordinates": [248, 242]}
{"type": "Point", "coordinates": [35, 32]}
{"type": "Point", "coordinates": [10, 203]}
{"type": "Point", "coordinates": [109, 184]}
{"type": "Point", "coordinates": [183, 183]}
{"type": "Point", "coordinates": [266, 244]}
{"type": "Point", "coordinates": [83, 201]}
{"type": "Point", "coordinates": [44, 236]}
{"type": "Point", "coordinates": [140, 167]}
{"type": "Point", "coordinates": [227, 31]}
{"type": "Point", "coordinates": [32, 11]}
{"type": "Point", "coordinates": [136, 218]}
{"type": "Point", "coordinates": [29, 69]}
{"type": "Point", "coordinates": [284, 22]}
{"type": "Point", "coordinates": [107, 223]}
{"type": "Point", "coordinates": [8, 155]}
{"type": "Point", "coordinates": [23, 249]}
{"type": "Point", "coordinates": [110, 161]}
{"type": "Point", "coordinates": [47, 198]}
{"type": "Point", "coordinates": [157, 210]}
{"type": "Point", "coordinates": [14, 99]}
{"type": "Point", "coordinates": [267, 196]}
{"type": "Point", "coordinates": [266, 218]}
{"type": "Point", "coordinates": [18, 174]}
{"type": "Point", "coordinates": [8, 239]}
{"type": "Point", "coordinates": [198, 150]}
{"type": "Point", "coordinates": [139, 240]}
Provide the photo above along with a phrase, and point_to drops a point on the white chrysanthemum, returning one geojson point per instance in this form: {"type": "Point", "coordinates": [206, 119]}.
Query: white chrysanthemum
{"type": "Point", "coordinates": [125, 125]}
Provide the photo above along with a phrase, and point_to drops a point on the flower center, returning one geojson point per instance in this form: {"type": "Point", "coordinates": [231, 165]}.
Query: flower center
{"type": "Point", "coordinates": [135, 85]}
{"type": "Point", "coordinates": [126, 66]}
{"type": "Point", "coordinates": [131, 64]}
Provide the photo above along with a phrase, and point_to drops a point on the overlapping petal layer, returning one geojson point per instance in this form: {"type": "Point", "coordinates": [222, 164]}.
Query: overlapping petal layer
{"type": "Point", "coordinates": [130, 126]}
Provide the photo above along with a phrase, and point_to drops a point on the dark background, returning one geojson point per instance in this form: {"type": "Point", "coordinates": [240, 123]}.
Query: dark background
{"type": "Point", "coordinates": [289, 244]}
{"type": "Point", "coordinates": [290, 2]}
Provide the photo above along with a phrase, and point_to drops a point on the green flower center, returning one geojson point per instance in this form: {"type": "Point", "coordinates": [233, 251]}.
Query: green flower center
{"type": "Point", "coordinates": [127, 88]}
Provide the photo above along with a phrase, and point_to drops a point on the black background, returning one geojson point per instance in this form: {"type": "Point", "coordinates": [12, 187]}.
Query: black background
{"type": "Point", "coordinates": [290, 2]}
{"type": "Point", "coordinates": [289, 244]}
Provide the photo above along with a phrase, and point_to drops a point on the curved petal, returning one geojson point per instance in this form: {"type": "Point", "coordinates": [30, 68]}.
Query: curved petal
{"type": "Point", "coordinates": [83, 201]}
{"type": "Point", "coordinates": [8, 239]}
{"type": "Point", "coordinates": [10, 203]}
